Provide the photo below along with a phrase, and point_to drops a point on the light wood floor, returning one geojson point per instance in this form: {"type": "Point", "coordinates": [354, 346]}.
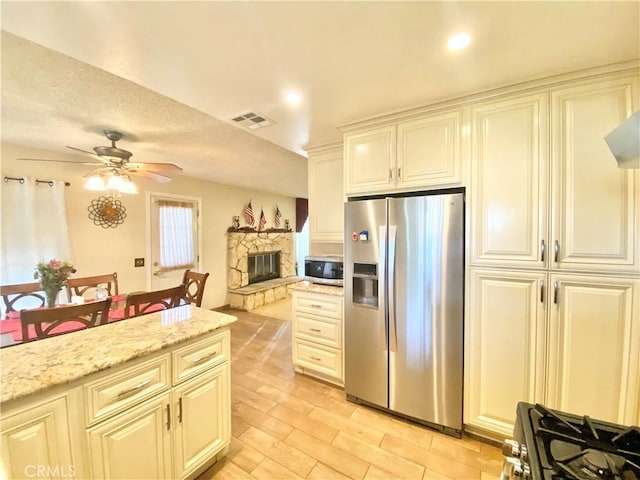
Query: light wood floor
{"type": "Point", "coordinates": [289, 426]}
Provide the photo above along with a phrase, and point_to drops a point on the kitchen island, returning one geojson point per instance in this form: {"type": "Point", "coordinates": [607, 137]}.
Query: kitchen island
{"type": "Point", "coordinates": [147, 397]}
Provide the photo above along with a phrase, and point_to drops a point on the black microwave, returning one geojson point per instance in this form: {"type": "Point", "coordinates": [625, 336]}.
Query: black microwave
{"type": "Point", "coordinates": [326, 270]}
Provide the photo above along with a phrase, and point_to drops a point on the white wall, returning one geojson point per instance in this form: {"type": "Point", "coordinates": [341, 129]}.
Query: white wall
{"type": "Point", "coordinates": [98, 250]}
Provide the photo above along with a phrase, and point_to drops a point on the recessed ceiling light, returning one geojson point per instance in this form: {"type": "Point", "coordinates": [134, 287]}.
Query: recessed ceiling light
{"type": "Point", "coordinates": [459, 41]}
{"type": "Point", "coordinates": [293, 98]}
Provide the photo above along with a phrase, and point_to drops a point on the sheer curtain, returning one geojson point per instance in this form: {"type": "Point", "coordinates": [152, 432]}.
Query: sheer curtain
{"type": "Point", "coordinates": [177, 243]}
{"type": "Point", "coordinates": [34, 228]}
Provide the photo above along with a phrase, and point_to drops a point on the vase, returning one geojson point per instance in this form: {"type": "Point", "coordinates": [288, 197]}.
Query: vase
{"type": "Point", "coordinates": [51, 295]}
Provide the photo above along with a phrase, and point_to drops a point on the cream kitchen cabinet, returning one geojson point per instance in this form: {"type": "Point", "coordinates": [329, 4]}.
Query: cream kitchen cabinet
{"type": "Point", "coordinates": [574, 212]}
{"type": "Point", "coordinates": [596, 206]}
{"type": "Point", "coordinates": [594, 346]}
{"type": "Point", "coordinates": [429, 151]}
{"type": "Point", "coordinates": [504, 347]}
{"type": "Point", "coordinates": [326, 197]}
{"type": "Point", "coordinates": [369, 161]}
{"type": "Point", "coordinates": [318, 334]}
{"type": "Point", "coordinates": [509, 182]}
{"type": "Point", "coordinates": [421, 153]}
{"type": "Point", "coordinates": [135, 443]}
{"type": "Point", "coordinates": [202, 423]}
{"type": "Point", "coordinates": [173, 433]}
{"type": "Point", "coordinates": [571, 342]}
{"type": "Point", "coordinates": [39, 441]}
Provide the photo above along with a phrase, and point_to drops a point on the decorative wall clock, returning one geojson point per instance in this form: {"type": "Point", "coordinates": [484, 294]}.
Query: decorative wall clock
{"type": "Point", "coordinates": [107, 212]}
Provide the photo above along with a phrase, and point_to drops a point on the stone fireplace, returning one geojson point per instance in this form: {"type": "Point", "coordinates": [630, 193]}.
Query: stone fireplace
{"type": "Point", "coordinates": [261, 266]}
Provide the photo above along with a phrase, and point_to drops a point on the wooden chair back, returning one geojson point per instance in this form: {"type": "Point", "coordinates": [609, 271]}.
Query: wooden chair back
{"type": "Point", "coordinates": [86, 286]}
{"type": "Point", "coordinates": [46, 320]}
{"type": "Point", "coordinates": [147, 302]}
{"type": "Point", "coordinates": [194, 286]}
{"type": "Point", "coordinates": [12, 295]}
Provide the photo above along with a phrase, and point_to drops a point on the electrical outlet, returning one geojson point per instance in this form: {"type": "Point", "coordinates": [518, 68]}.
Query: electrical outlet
{"type": "Point", "coordinates": [138, 262]}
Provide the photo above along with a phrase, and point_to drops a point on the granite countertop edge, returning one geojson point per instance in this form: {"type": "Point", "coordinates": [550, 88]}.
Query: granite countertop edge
{"type": "Point", "coordinates": [307, 286]}
{"type": "Point", "coordinates": [36, 366]}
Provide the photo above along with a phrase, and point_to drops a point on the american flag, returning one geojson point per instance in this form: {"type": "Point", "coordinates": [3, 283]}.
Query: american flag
{"type": "Point", "coordinates": [248, 214]}
{"type": "Point", "coordinates": [263, 220]}
{"type": "Point", "coordinates": [278, 217]}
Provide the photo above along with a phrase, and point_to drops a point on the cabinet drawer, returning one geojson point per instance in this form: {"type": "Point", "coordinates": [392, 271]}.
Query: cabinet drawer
{"type": "Point", "coordinates": [325, 360]}
{"type": "Point", "coordinates": [115, 392]}
{"type": "Point", "coordinates": [200, 356]}
{"type": "Point", "coordinates": [324, 330]}
{"type": "Point", "coordinates": [326, 305]}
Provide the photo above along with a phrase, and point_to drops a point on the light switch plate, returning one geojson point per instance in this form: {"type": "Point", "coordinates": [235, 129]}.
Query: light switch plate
{"type": "Point", "coordinates": [138, 262]}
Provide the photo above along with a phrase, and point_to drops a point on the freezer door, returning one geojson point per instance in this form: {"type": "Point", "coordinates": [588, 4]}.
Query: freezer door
{"type": "Point", "coordinates": [426, 266]}
{"type": "Point", "coordinates": [366, 360]}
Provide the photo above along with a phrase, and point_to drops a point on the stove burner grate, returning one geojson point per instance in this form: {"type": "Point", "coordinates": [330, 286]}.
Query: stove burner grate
{"type": "Point", "coordinates": [578, 448]}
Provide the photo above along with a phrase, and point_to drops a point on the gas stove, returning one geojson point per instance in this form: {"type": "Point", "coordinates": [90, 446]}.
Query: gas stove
{"type": "Point", "coordinates": [552, 445]}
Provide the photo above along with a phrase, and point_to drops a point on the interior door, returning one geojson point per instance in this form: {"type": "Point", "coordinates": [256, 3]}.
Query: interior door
{"type": "Point", "coordinates": [175, 239]}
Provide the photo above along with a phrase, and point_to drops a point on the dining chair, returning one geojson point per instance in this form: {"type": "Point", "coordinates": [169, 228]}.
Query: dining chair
{"type": "Point", "coordinates": [147, 302]}
{"type": "Point", "coordinates": [87, 285]}
{"type": "Point", "coordinates": [194, 286]}
{"type": "Point", "coordinates": [41, 323]}
{"type": "Point", "coordinates": [12, 295]}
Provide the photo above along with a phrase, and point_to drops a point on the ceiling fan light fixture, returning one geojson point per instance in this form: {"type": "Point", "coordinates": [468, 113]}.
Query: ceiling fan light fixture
{"type": "Point", "coordinates": [111, 181]}
{"type": "Point", "coordinates": [129, 187]}
{"type": "Point", "coordinates": [95, 183]}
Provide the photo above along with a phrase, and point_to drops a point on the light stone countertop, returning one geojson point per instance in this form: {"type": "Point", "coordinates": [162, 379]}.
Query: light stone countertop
{"type": "Point", "coordinates": [35, 366]}
{"type": "Point", "coordinates": [318, 288]}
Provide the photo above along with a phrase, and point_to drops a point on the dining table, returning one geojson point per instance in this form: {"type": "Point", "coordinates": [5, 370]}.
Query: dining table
{"type": "Point", "coordinates": [11, 327]}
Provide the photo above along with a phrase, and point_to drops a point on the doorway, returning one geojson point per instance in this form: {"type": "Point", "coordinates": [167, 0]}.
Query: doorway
{"type": "Point", "coordinates": [175, 238]}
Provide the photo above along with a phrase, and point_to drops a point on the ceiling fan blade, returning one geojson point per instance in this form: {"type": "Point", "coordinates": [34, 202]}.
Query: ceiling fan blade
{"type": "Point", "coordinates": [81, 150]}
{"type": "Point", "coordinates": [59, 161]}
{"type": "Point", "coordinates": [151, 175]}
{"type": "Point", "coordinates": [154, 167]}
{"type": "Point", "coordinates": [92, 154]}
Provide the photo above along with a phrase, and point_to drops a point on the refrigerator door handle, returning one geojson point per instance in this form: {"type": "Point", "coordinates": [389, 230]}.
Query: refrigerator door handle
{"type": "Point", "coordinates": [382, 261]}
{"type": "Point", "coordinates": [391, 294]}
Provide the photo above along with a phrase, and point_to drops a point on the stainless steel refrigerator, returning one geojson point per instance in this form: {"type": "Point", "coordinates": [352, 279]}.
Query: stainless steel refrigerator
{"type": "Point", "coordinates": [404, 296]}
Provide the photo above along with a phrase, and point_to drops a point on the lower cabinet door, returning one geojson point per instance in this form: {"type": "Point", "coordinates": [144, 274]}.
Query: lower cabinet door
{"type": "Point", "coordinates": [594, 347]}
{"type": "Point", "coordinates": [505, 347]}
{"type": "Point", "coordinates": [35, 442]}
{"type": "Point", "coordinates": [202, 414]}
{"type": "Point", "coordinates": [134, 444]}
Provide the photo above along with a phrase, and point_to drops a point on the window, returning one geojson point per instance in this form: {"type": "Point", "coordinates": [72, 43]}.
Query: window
{"type": "Point", "coordinates": [177, 243]}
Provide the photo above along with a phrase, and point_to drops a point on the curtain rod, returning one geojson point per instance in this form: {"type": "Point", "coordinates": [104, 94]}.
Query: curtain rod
{"type": "Point", "coordinates": [48, 182]}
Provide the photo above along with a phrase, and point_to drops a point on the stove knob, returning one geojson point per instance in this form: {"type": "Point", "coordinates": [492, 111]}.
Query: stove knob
{"type": "Point", "coordinates": [519, 469]}
{"type": "Point", "coordinates": [524, 455]}
{"type": "Point", "coordinates": [511, 448]}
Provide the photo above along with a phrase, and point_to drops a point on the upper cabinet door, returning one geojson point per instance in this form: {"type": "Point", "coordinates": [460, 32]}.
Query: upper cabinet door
{"type": "Point", "coordinates": [429, 151]}
{"type": "Point", "coordinates": [326, 197]}
{"type": "Point", "coordinates": [596, 205]}
{"type": "Point", "coordinates": [370, 160]}
{"type": "Point", "coordinates": [509, 164]}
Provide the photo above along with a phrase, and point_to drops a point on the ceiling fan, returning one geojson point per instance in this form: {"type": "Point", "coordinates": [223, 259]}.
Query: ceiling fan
{"type": "Point", "coordinates": [115, 161]}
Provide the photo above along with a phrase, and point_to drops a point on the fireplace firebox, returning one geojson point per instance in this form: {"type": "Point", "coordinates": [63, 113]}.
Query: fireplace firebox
{"type": "Point", "coordinates": [263, 266]}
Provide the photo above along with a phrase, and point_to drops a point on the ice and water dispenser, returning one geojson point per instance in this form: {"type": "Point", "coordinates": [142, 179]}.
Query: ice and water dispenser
{"type": "Point", "coordinates": [365, 284]}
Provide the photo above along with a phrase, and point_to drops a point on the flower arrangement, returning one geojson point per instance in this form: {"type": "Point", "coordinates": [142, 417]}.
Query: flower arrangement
{"type": "Point", "coordinates": [53, 276]}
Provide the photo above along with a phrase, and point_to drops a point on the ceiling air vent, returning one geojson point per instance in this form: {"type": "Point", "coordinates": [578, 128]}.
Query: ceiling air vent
{"type": "Point", "coordinates": [252, 120]}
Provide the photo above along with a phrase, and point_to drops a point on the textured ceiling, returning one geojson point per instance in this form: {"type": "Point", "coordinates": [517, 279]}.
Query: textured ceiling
{"type": "Point", "coordinates": [178, 71]}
